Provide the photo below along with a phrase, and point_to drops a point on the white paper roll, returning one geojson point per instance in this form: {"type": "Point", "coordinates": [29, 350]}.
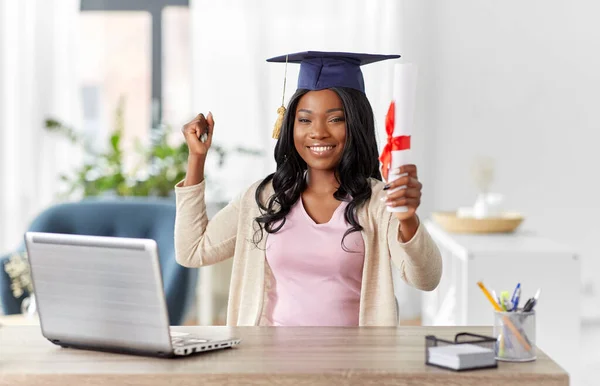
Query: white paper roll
{"type": "Point", "coordinates": [405, 87]}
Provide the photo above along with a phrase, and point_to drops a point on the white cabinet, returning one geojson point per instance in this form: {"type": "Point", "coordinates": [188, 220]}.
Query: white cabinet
{"type": "Point", "coordinates": [501, 261]}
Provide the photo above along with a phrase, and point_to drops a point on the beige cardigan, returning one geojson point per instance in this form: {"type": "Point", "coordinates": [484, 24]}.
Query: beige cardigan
{"type": "Point", "coordinates": [230, 232]}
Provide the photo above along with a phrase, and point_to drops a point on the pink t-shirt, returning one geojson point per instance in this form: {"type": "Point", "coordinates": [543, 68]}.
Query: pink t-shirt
{"type": "Point", "coordinates": [316, 282]}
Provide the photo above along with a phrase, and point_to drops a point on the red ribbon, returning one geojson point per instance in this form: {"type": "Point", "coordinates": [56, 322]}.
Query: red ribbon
{"type": "Point", "coordinates": [393, 143]}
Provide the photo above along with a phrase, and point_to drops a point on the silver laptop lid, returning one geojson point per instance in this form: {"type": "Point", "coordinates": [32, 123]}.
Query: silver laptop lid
{"type": "Point", "coordinates": [99, 291]}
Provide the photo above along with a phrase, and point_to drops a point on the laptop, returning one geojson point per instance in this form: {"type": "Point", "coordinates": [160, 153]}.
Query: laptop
{"type": "Point", "coordinates": [106, 294]}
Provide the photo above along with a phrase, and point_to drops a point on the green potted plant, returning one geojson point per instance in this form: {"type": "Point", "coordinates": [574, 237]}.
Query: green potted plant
{"type": "Point", "coordinates": [160, 164]}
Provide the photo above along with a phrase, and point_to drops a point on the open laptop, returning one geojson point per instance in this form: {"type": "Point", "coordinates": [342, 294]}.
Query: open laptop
{"type": "Point", "coordinates": [106, 294]}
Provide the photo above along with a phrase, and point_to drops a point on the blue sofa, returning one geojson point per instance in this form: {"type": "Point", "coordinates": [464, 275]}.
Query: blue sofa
{"type": "Point", "coordinates": [123, 217]}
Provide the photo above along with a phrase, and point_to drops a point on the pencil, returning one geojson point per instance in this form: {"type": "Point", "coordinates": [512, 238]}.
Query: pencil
{"type": "Point", "coordinates": [515, 331]}
{"type": "Point", "coordinates": [489, 296]}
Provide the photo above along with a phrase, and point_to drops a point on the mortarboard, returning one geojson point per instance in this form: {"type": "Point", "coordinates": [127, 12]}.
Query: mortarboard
{"type": "Point", "coordinates": [322, 70]}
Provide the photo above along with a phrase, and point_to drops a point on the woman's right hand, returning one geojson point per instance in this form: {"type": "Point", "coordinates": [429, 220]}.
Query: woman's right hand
{"type": "Point", "coordinates": [193, 133]}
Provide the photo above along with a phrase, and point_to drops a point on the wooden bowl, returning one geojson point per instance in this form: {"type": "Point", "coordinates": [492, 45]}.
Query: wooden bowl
{"type": "Point", "coordinates": [505, 223]}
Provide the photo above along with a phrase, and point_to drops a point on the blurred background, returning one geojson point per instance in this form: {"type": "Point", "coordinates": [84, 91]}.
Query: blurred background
{"type": "Point", "coordinates": [93, 94]}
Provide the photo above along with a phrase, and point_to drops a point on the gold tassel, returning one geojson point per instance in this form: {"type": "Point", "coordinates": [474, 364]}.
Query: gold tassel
{"type": "Point", "coordinates": [281, 109]}
{"type": "Point", "coordinates": [279, 122]}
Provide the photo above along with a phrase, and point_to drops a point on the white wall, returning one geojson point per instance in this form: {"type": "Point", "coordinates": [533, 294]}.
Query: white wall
{"type": "Point", "coordinates": [519, 81]}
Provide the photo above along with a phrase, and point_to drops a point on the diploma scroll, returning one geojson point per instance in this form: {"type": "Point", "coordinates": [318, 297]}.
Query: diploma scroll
{"type": "Point", "coordinates": [399, 125]}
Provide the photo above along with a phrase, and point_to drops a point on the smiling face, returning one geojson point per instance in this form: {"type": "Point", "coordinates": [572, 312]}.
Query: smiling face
{"type": "Point", "coordinates": [320, 129]}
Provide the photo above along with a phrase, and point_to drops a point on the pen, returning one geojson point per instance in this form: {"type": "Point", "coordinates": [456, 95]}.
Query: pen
{"type": "Point", "coordinates": [516, 300]}
{"type": "Point", "coordinates": [532, 301]}
{"type": "Point", "coordinates": [496, 298]}
{"type": "Point", "coordinates": [515, 297]}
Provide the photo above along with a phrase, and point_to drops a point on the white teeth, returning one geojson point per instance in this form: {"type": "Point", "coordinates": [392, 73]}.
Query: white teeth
{"type": "Point", "coordinates": [321, 148]}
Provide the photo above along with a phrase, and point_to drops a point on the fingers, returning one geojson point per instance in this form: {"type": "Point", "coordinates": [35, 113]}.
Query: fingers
{"type": "Point", "coordinates": [210, 124]}
{"type": "Point", "coordinates": [201, 127]}
{"type": "Point", "coordinates": [405, 201]}
{"type": "Point", "coordinates": [197, 119]}
{"type": "Point", "coordinates": [402, 193]}
{"type": "Point", "coordinates": [189, 130]}
{"type": "Point", "coordinates": [403, 197]}
{"type": "Point", "coordinates": [409, 168]}
{"type": "Point", "coordinates": [191, 134]}
{"type": "Point", "coordinates": [210, 121]}
{"type": "Point", "coordinates": [408, 181]}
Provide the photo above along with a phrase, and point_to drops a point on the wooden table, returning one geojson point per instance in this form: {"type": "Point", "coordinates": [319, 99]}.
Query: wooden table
{"type": "Point", "coordinates": [267, 355]}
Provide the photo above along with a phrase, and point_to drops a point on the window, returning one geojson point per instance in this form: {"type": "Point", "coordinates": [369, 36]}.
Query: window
{"type": "Point", "coordinates": [176, 69]}
{"type": "Point", "coordinates": [114, 62]}
{"type": "Point", "coordinates": [137, 52]}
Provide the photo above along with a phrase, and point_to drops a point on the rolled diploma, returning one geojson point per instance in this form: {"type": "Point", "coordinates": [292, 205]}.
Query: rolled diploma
{"type": "Point", "coordinates": [405, 86]}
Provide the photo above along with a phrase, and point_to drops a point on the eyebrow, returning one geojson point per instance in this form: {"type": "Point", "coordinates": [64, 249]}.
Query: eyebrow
{"type": "Point", "coordinates": [326, 112]}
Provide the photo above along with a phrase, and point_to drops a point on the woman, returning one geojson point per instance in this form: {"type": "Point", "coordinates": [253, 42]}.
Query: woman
{"type": "Point", "coordinates": [312, 242]}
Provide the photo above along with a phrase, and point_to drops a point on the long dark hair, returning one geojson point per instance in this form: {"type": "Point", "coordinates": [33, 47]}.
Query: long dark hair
{"type": "Point", "coordinates": [358, 163]}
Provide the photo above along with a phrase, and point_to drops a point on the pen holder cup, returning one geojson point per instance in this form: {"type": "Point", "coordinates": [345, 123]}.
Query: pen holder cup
{"type": "Point", "coordinates": [515, 336]}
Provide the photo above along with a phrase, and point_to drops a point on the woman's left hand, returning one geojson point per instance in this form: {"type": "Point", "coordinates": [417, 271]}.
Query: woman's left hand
{"type": "Point", "coordinates": [410, 196]}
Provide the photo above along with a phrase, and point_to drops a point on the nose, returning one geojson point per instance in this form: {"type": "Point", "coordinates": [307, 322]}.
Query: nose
{"type": "Point", "coordinates": [318, 130]}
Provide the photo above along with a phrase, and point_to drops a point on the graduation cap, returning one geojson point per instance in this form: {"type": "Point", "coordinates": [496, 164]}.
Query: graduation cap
{"type": "Point", "coordinates": [322, 70]}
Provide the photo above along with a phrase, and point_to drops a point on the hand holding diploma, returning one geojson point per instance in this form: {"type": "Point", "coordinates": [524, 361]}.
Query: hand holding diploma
{"type": "Point", "coordinates": [404, 192]}
{"type": "Point", "coordinates": [404, 189]}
